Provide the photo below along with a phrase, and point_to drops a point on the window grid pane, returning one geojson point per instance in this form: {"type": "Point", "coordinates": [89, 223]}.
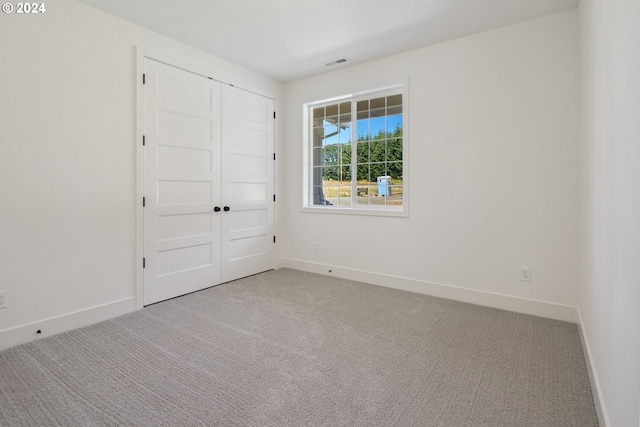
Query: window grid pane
{"type": "Point", "coordinates": [379, 151]}
{"type": "Point", "coordinates": [374, 174]}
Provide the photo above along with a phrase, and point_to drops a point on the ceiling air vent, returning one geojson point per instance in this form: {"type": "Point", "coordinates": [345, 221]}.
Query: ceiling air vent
{"type": "Point", "coordinates": [336, 62]}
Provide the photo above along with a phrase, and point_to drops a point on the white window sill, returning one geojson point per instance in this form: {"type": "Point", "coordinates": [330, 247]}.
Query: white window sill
{"type": "Point", "coordinates": [333, 210]}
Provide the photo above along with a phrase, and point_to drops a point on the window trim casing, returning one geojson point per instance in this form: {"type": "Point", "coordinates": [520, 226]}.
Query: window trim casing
{"type": "Point", "coordinates": [307, 160]}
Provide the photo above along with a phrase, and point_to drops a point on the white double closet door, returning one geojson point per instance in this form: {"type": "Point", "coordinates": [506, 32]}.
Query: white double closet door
{"type": "Point", "coordinates": [208, 182]}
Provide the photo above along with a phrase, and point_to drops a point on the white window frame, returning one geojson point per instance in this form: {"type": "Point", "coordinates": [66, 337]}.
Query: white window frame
{"type": "Point", "coordinates": [307, 164]}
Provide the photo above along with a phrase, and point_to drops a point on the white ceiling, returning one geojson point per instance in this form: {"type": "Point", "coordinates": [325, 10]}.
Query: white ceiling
{"type": "Point", "coordinates": [292, 39]}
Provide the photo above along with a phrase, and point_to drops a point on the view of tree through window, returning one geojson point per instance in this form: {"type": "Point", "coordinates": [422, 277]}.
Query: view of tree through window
{"type": "Point", "coordinates": [357, 153]}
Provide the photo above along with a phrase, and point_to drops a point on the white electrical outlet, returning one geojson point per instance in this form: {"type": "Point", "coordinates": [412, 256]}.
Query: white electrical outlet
{"type": "Point", "coordinates": [317, 247]}
{"type": "Point", "coordinates": [525, 274]}
{"type": "Point", "coordinates": [4, 302]}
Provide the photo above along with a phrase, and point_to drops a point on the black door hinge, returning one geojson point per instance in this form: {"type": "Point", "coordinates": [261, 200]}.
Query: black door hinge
{"type": "Point", "coordinates": [274, 114]}
{"type": "Point", "coordinates": [274, 239]}
{"type": "Point", "coordinates": [144, 78]}
{"type": "Point", "coordinates": [144, 139]}
{"type": "Point", "coordinates": [274, 197]}
{"type": "Point", "coordinates": [144, 263]}
{"type": "Point", "coordinates": [144, 202]}
{"type": "Point", "coordinates": [274, 156]}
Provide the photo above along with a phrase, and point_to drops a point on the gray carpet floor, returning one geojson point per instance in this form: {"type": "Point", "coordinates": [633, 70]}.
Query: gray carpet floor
{"type": "Point", "coordinates": [287, 348]}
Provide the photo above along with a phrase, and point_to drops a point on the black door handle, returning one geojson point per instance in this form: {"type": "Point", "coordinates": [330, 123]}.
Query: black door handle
{"type": "Point", "coordinates": [216, 209]}
{"type": "Point", "coordinates": [227, 208]}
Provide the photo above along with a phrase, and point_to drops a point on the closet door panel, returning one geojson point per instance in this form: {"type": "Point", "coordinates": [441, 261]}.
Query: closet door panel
{"type": "Point", "coordinates": [247, 183]}
{"type": "Point", "coordinates": [181, 182]}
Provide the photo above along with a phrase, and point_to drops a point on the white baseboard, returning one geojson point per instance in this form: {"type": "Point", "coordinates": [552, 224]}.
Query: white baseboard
{"type": "Point", "coordinates": [505, 302]}
{"type": "Point", "coordinates": [596, 390]}
{"type": "Point", "coordinates": [66, 322]}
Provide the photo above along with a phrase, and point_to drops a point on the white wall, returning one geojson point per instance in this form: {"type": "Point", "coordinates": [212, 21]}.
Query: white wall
{"type": "Point", "coordinates": [67, 162]}
{"type": "Point", "coordinates": [610, 292]}
{"type": "Point", "coordinates": [493, 142]}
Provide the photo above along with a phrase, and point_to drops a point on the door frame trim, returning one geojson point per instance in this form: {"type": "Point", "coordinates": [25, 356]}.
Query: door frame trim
{"type": "Point", "coordinates": [142, 53]}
